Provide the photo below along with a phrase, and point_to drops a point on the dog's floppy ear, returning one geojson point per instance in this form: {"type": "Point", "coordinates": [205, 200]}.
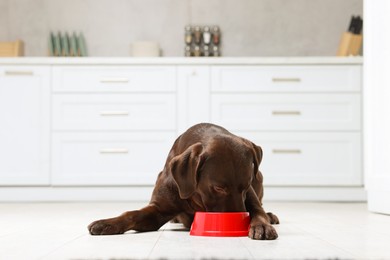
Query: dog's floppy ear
{"type": "Point", "coordinates": [257, 154]}
{"type": "Point", "coordinates": [184, 169]}
{"type": "Point", "coordinates": [257, 157]}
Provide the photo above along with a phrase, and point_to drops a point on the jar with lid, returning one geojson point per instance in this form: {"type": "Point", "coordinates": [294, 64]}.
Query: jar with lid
{"type": "Point", "coordinates": [197, 34]}
{"type": "Point", "coordinates": [206, 35]}
{"type": "Point", "coordinates": [216, 35]}
{"type": "Point", "coordinates": [188, 34]}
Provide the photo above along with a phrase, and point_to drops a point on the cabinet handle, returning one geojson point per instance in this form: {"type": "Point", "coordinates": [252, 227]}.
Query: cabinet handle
{"type": "Point", "coordinates": [114, 113]}
{"type": "Point", "coordinates": [280, 80]}
{"type": "Point", "coordinates": [114, 80]}
{"type": "Point", "coordinates": [289, 151]}
{"type": "Point", "coordinates": [18, 73]}
{"type": "Point", "coordinates": [114, 151]}
{"type": "Point", "coordinates": [286, 113]}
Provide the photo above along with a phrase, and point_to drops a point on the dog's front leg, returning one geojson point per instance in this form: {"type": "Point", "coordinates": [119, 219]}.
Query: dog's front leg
{"type": "Point", "coordinates": [149, 218]}
{"type": "Point", "coordinates": [260, 225]}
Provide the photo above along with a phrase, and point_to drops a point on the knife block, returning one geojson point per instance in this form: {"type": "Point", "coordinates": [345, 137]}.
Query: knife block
{"type": "Point", "coordinates": [350, 44]}
{"type": "Point", "coordinates": [356, 44]}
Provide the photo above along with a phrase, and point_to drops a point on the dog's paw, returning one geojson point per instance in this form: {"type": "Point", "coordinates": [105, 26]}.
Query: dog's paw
{"type": "Point", "coordinates": [273, 219]}
{"type": "Point", "coordinates": [104, 227]}
{"type": "Point", "coordinates": [262, 231]}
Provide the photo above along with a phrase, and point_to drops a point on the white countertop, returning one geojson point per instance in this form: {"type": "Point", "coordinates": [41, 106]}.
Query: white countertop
{"type": "Point", "coordinates": [180, 60]}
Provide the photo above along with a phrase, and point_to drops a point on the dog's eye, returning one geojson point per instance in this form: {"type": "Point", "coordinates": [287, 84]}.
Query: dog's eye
{"type": "Point", "coordinates": [220, 189]}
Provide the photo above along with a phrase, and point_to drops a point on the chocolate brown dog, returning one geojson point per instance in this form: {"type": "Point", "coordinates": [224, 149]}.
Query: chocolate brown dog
{"type": "Point", "coordinates": [207, 169]}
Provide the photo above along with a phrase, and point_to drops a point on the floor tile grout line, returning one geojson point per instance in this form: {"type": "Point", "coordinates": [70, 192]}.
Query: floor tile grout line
{"type": "Point", "coordinates": [155, 244]}
{"type": "Point", "coordinates": [336, 246]}
{"type": "Point", "coordinates": [326, 242]}
{"type": "Point", "coordinates": [339, 248]}
{"type": "Point", "coordinates": [246, 248]}
{"type": "Point", "coordinates": [61, 246]}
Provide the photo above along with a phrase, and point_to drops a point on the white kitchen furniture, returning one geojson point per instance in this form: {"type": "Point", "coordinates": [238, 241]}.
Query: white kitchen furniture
{"type": "Point", "coordinates": [111, 123]}
{"type": "Point", "coordinates": [306, 118]}
{"type": "Point", "coordinates": [24, 125]}
{"type": "Point", "coordinates": [377, 106]}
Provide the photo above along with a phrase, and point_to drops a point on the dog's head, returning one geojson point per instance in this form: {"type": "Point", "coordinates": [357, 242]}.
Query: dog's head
{"type": "Point", "coordinates": [220, 173]}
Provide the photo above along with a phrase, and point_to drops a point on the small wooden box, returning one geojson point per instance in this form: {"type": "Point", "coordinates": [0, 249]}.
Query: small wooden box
{"type": "Point", "coordinates": [12, 49]}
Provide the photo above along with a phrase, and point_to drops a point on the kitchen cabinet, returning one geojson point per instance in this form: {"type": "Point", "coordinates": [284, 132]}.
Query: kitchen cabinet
{"type": "Point", "coordinates": [287, 112]}
{"type": "Point", "coordinates": [121, 112]}
{"type": "Point", "coordinates": [310, 158]}
{"type": "Point", "coordinates": [278, 79]}
{"type": "Point", "coordinates": [113, 79]}
{"type": "Point", "coordinates": [85, 126]}
{"type": "Point", "coordinates": [25, 125]}
{"type": "Point", "coordinates": [193, 90]}
{"type": "Point", "coordinates": [109, 158]}
{"type": "Point", "coordinates": [307, 119]}
{"type": "Point", "coordinates": [112, 125]}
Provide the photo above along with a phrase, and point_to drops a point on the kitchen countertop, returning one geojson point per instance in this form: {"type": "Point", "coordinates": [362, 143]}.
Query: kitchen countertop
{"type": "Point", "coordinates": [179, 60]}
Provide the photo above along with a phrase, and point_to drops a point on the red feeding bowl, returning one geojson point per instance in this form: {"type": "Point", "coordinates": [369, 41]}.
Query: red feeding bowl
{"type": "Point", "coordinates": [220, 224]}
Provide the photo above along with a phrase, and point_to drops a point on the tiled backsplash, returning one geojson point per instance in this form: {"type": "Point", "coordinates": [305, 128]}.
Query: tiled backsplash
{"type": "Point", "coordinates": [249, 27]}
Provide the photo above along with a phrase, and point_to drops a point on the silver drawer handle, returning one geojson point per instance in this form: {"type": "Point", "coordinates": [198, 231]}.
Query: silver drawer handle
{"type": "Point", "coordinates": [114, 113]}
{"type": "Point", "coordinates": [286, 113]}
{"type": "Point", "coordinates": [279, 80]}
{"type": "Point", "coordinates": [286, 151]}
{"type": "Point", "coordinates": [114, 151]}
{"type": "Point", "coordinates": [18, 73]}
{"type": "Point", "coordinates": [114, 80]}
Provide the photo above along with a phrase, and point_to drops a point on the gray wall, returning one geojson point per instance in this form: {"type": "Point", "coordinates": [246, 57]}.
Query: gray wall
{"type": "Point", "coordinates": [249, 27]}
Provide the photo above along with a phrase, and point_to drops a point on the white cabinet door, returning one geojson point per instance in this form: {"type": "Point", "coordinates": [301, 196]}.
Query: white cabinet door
{"type": "Point", "coordinates": [25, 125]}
{"type": "Point", "coordinates": [193, 96]}
{"type": "Point", "coordinates": [377, 106]}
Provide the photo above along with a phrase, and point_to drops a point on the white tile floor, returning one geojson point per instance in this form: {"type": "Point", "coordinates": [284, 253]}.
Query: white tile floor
{"type": "Point", "coordinates": [307, 231]}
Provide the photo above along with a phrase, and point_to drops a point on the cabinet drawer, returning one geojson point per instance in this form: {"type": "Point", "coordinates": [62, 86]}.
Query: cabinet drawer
{"type": "Point", "coordinates": [109, 159]}
{"type": "Point", "coordinates": [114, 112]}
{"type": "Point", "coordinates": [286, 111]}
{"type": "Point", "coordinates": [309, 158]}
{"type": "Point", "coordinates": [114, 79]}
{"type": "Point", "coordinates": [286, 78]}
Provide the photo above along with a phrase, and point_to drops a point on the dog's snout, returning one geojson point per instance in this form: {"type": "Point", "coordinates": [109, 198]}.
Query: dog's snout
{"type": "Point", "coordinates": [236, 205]}
{"type": "Point", "coordinates": [229, 204]}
